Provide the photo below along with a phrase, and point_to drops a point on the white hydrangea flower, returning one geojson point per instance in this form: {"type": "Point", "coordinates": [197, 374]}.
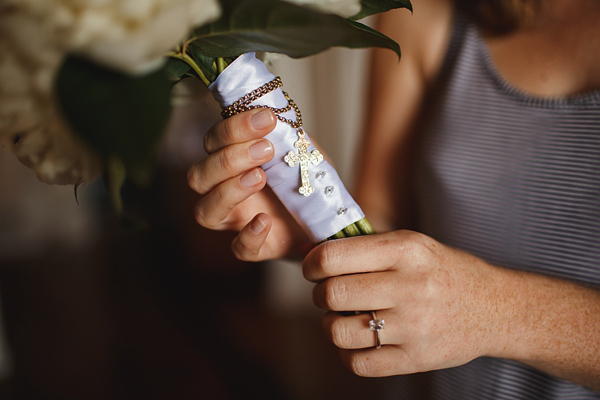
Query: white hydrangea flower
{"type": "Point", "coordinates": [131, 35]}
{"type": "Point", "coordinates": [56, 155]}
{"type": "Point", "coordinates": [31, 126]}
{"type": "Point", "coordinates": [344, 8]}
{"type": "Point", "coordinates": [135, 34]}
{"type": "Point", "coordinates": [35, 36]}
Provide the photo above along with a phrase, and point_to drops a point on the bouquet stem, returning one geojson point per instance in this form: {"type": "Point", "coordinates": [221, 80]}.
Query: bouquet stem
{"type": "Point", "coordinates": [364, 227]}
{"type": "Point", "coordinates": [221, 65]}
{"type": "Point", "coordinates": [208, 70]}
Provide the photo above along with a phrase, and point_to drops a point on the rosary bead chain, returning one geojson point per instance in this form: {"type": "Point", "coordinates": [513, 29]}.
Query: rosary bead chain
{"type": "Point", "coordinates": [244, 104]}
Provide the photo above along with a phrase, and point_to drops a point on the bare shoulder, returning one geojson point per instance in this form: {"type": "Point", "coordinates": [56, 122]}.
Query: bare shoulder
{"type": "Point", "coordinates": [397, 92]}
{"type": "Point", "coordinates": [422, 35]}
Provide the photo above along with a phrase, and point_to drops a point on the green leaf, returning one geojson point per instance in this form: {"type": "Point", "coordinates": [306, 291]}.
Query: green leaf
{"type": "Point", "coordinates": [374, 32]}
{"type": "Point", "coordinates": [370, 7]}
{"type": "Point", "coordinates": [119, 115]}
{"type": "Point", "coordinates": [204, 63]}
{"type": "Point", "coordinates": [280, 27]}
{"type": "Point", "coordinates": [176, 69]}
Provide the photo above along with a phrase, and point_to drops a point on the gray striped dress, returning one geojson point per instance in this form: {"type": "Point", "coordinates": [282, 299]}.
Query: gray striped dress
{"type": "Point", "coordinates": [515, 180]}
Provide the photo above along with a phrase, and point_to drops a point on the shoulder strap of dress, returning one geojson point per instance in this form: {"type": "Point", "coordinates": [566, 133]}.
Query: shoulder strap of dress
{"type": "Point", "coordinates": [460, 24]}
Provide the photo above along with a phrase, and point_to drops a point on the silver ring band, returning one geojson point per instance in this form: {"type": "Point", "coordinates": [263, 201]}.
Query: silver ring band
{"type": "Point", "coordinates": [376, 325]}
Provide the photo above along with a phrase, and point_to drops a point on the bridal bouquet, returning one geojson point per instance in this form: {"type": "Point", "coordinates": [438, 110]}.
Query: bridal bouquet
{"type": "Point", "coordinates": [85, 86]}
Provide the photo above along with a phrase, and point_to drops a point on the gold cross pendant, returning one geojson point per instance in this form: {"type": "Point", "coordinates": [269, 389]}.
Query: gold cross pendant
{"type": "Point", "coordinates": [303, 158]}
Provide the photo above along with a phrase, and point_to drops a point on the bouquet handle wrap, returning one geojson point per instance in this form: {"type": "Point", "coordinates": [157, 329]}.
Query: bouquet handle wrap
{"type": "Point", "coordinates": [330, 208]}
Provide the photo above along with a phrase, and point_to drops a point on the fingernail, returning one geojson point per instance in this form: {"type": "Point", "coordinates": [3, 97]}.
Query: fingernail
{"type": "Point", "coordinates": [261, 149]}
{"type": "Point", "coordinates": [258, 225]}
{"type": "Point", "coordinates": [262, 119]}
{"type": "Point", "coordinates": [251, 179]}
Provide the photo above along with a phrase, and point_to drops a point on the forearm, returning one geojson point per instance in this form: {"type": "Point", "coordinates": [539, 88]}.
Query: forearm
{"type": "Point", "coordinates": [550, 324]}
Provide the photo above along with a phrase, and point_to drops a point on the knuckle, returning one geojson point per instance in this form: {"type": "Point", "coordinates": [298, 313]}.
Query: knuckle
{"type": "Point", "coordinates": [428, 243]}
{"type": "Point", "coordinates": [341, 335]}
{"type": "Point", "coordinates": [193, 177]}
{"type": "Point", "coordinates": [415, 242]}
{"type": "Point", "coordinates": [228, 160]}
{"type": "Point", "coordinates": [327, 257]}
{"type": "Point", "coordinates": [243, 251]}
{"type": "Point", "coordinates": [207, 141]}
{"type": "Point", "coordinates": [219, 135]}
{"type": "Point", "coordinates": [229, 129]}
{"type": "Point", "coordinates": [205, 218]}
{"type": "Point", "coordinates": [200, 215]}
{"type": "Point", "coordinates": [219, 195]}
{"type": "Point", "coordinates": [411, 237]}
{"type": "Point", "coordinates": [336, 294]}
{"type": "Point", "coordinates": [424, 241]}
{"type": "Point", "coordinates": [359, 365]}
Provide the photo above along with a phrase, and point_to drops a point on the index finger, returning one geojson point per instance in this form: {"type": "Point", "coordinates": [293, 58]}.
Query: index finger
{"type": "Point", "coordinates": [240, 128]}
{"type": "Point", "coordinates": [351, 256]}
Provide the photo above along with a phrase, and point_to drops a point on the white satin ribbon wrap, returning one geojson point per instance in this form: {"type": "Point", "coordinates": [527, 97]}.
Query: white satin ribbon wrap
{"type": "Point", "coordinates": [321, 214]}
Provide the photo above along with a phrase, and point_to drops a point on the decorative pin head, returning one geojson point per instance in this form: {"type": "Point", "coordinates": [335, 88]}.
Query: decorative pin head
{"type": "Point", "coordinates": [342, 211]}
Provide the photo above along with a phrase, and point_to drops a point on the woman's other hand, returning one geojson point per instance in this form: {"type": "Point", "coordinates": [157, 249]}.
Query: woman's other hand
{"type": "Point", "coordinates": [439, 304]}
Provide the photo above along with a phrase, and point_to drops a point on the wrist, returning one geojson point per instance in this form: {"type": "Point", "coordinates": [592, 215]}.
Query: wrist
{"type": "Point", "coordinates": [509, 314]}
{"type": "Point", "coordinates": [549, 324]}
{"type": "Point", "coordinates": [534, 311]}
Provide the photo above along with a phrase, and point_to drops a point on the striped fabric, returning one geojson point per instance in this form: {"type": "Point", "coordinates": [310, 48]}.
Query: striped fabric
{"type": "Point", "coordinates": [515, 180]}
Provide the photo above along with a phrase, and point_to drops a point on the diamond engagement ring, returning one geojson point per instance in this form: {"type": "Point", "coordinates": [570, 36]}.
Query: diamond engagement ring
{"type": "Point", "coordinates": [376, 325]}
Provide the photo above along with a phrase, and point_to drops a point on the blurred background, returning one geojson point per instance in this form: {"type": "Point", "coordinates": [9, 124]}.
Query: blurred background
{"type": "Point", "coordinates": [93, 310]}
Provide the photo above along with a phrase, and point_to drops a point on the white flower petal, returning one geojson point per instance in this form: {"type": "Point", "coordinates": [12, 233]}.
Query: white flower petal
{"type": "Point", "coordinates": [57, 156]}
{"type": "Point", "coordinates": [36, 35]}
{"type": "Point", "coordinates": [136, 38]}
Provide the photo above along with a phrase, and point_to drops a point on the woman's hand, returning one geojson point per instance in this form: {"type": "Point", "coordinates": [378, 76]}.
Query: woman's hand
{"type": "Point", "coordinates": [231, 184]}
{"type": "Point", "coordinates": [440, 305]}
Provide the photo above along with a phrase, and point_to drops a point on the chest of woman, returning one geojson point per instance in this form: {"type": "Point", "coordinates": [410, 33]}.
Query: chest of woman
{"type": "Point", "coordinates": [510, 177]}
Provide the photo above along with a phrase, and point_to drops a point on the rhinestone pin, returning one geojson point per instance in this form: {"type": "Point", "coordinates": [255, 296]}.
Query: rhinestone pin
{"type": "Point", "coordinates": [342, 211]}
{"type": "Point", "coordinates": [329, 190]}
{"type": "Point", "coordinates": [320, 175]}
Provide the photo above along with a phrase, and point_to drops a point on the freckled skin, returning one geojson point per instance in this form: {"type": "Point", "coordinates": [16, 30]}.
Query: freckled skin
{"type": "Point", "coordinates": [442, 307]}
{"type": "Point", "coordinates": [470, 308]}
